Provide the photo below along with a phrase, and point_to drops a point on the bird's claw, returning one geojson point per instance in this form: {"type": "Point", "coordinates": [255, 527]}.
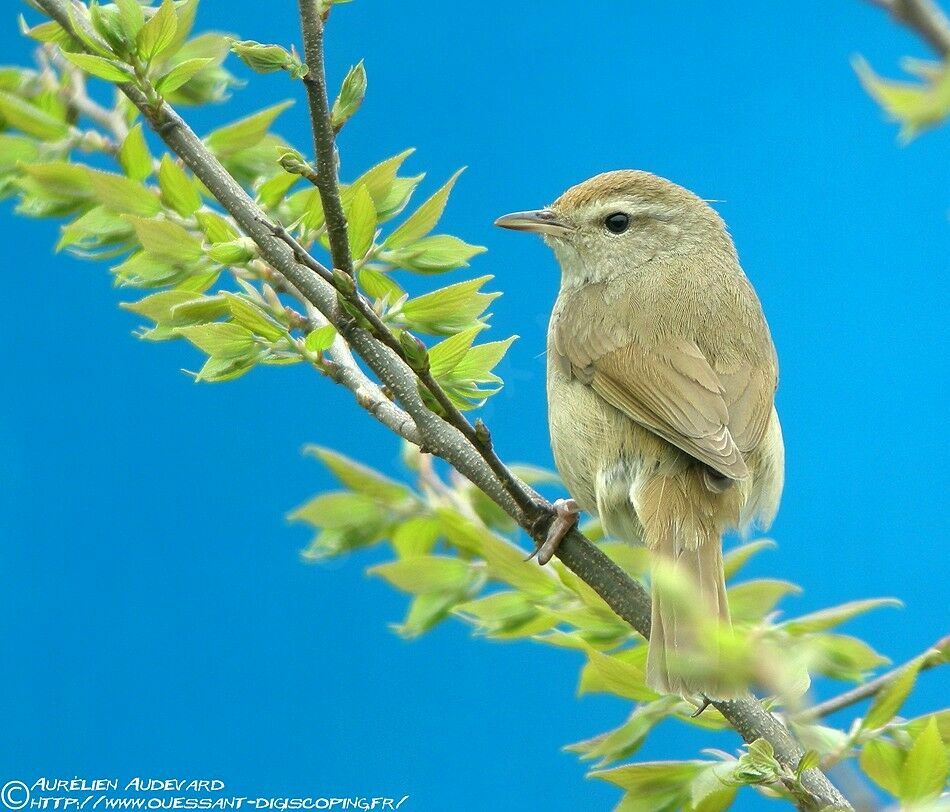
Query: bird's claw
{"type": "Point", "coordinates": [565, 517]}
{"type": "Point", "coordinates": [705, 704]}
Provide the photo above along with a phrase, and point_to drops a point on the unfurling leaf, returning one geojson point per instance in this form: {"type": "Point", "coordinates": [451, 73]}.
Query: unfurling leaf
{"type": "Point", "coordinates": [835, 615]}
{"type": "Point", "coordinates": [433, 254]}
{"type": "Point", "coordinates": [321, 339]}
{"type": "Point", "coordinates": [182, 73]}
{"type": "Point", "coordinates": [351, 96]}
{"type": "Point", "coordinates": [134, 155]}
{"type": "Point", "coordinates": [423, 219]}
{"type": "Point", "coordinates": [889, 700]}
{"type": "Point", "coordinates": [360, 222]}
{"type": "Point", "coordinates": [916, 106]}
{"type": "Point", "coordinates": [122, 194]}
{"type": "Point", "coordinates": [883, 762]}
{"type": "Point", "coordinates": [234, 252]}
{"type": "Point", "coordinates": [220, 339]}
{"type": "Point", "coordinates": [99, 66]}
{"type": "Point", "coordinates": [430, 573]}
{"type": "Point", "coordinates": [245, 133]}
{"type": "Point", "coordinates": [178, 191]}
{"type": "Point", "coordinates": [158, 33]}
{"type": "Point", "coordinates": [20, 114]}
{"type": "Point", "coordinates": [924, 774]}
{"type": "Point", "coordinates": [359, 477]}
{"type": "Point", "coordinates": [447, 310]}
{"type": "Point", "coordinates": [166, 240]}
{"type": "Point", "coordinates": [268, 58]}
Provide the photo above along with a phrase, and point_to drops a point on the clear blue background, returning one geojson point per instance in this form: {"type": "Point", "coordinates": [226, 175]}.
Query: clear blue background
{"type": "Point", "coordinates": [156, 618]}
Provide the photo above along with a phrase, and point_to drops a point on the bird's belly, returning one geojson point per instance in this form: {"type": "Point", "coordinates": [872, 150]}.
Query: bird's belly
{"type": "Point", "coordinates": [587, 435]}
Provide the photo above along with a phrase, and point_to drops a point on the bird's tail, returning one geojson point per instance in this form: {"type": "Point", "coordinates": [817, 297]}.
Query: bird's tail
{"type": "Point", "coordinates": [681, 519]}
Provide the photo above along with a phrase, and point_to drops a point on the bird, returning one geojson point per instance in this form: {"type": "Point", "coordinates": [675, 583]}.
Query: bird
{"type": "Point", "coordinates": [661, 381]}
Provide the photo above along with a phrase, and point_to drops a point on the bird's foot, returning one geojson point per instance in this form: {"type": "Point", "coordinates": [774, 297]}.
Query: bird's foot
{"type": "Point", "coordinates": [565, 517]}
{"type": "Point", "coordinates": [703, 705]}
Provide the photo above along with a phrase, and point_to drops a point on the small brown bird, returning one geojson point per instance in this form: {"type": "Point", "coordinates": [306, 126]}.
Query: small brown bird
{"type": "Point", "coordinates": [661, 376]}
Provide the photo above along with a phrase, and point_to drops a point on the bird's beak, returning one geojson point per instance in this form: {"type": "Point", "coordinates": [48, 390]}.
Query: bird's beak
{"type": "Point", "coordinates": [541, 221]}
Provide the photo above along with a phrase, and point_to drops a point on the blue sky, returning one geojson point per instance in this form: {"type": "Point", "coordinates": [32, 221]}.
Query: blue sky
{"type": "Point", "coordinates": [156, 618]}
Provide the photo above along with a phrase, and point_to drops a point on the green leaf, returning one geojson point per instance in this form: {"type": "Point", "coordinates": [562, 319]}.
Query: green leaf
{"type": "Point", "coordinates": [131, 18]}
{"type": "Point", "coordinates": [220, 339]}
{"type": "Point", "coordinates": [167, 240]}
{"type": "Point", "coordinates": [751, 600]}
{"type": "Point", "coordinates": [432, 255]}
{"type": "Point", "coordinates": [268, 58]}
{"type": "Point", "coordinates": [358, 477]}
{"type": "Point", "coordinates": [321, 339]}
{"type": "Point", "coordinates": [916, 106]}
{"type": "Point", "coordinates": [159, 306]}
{"type": "Point", "coordinates": [178, 192]}
{"type": "Point", "coordinates": [180, 74]}
{"type": "Point", "coordinates": [415, 536]}
{"type": "Point", "coordinates": [626, 739]}
{"type": "Point", "coordinates": [424, 219]}
{"type": "Point", "coordinates": [122, 194]}
{"type": "Point", "coordinates": [350, 97]}
{"type": "Point", "coordinates": [426, 611]}
{"type": "Point", "coordinates": [215, 227]}
{"type": "Point", "coordinates": [924, 774]}
{"type": "Point", "coordinates": [883, 762]}
{"type": "Point", "coordinates": [360, 222]}
{"type": "Point", "coordinates": [379, 286]}
{"type": "Point", "coordinates": [614, 674]}
{"type": "Point", "coordinates": [480, 360]}
{"type": "Point", "coordinates": [448, 310]}
{"type": "Point", "coordinates": [245, 133]}
{"type": "Point", "coordinates": [836, 615]}
{"type": "Point", "coordinates": [217, 369]}
{"type": "Point", "coordinates": [499, 612]}
{"type": "Point", "coordinates": [15, 149]}
{"type": "Point", "coordinates": [427, 573]}
{"type": "Point", "coordinates": [379, 179]}
{"type": "Point", "coordinates": [273, 190]}
{"type": "Point", "coordinates": [20, 114]}
{"type": "Point", "coordinates": [505, 562]}
{"type": "Point", "coordinates": [843, 657]}
{"type": "Point", "coordinates": [397, 198]}
{"type": "Point", "coordinates": [50, 31]}
{"type": "Point", "coordinates": [99, 66]}
{"type": "Point", "coordinates": [889, 700]}
{"type": "Point", "coordinates": [735, 559]}
{"type": "Point", "coordinates": [134, 155]}
{"type": "Point", "coordinates": [252, 316]}
{"type": "Point", "coordinates": [447, 354]}
{"type": "Point", "coordinates": [651, 778]}
{"type": "Point", "coordinates": [158, 33]}
{"type": "Point", "coordinates": [809, 760]}
{"type": "Point", "coordinates": [234, 252]}
{"type": "Point", "coordinates": [97, 227]}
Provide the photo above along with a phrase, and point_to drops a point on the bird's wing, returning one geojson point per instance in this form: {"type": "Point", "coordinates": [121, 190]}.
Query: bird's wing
{"type": "Point", "coordinates": [673, 390]}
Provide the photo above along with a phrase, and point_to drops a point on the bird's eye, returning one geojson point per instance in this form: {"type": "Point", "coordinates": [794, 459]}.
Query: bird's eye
{"type": "Point", "coordinates": [617, 222]}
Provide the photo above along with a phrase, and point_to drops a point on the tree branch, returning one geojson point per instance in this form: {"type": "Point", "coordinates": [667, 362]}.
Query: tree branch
{"type": "Point", "coordinates": [324, 147]}
{"type": "Point", "coordinates": [924, 17]}
{"type": "Point", "coordinates": [937, 654]}
{"type": "Point", "coordinates": [327, 182]}
{"type": "Point", "coordinates": [474, 461]}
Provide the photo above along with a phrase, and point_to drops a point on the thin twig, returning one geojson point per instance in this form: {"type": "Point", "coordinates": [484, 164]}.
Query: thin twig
{"type": "Point", "coordinates": [924, 17]}
{"type": "Point", "coordinates": [327, 182]}
{"type": "Point", "coordinates": [937, 654]}
{"type": "Point", "coordinates": [323, 136]}
{"type": "Point", "coordinates": [624, 595]}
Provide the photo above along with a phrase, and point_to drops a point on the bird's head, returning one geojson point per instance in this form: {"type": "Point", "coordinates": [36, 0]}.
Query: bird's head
{"type": "Point", "coordinates": [619, 221]}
